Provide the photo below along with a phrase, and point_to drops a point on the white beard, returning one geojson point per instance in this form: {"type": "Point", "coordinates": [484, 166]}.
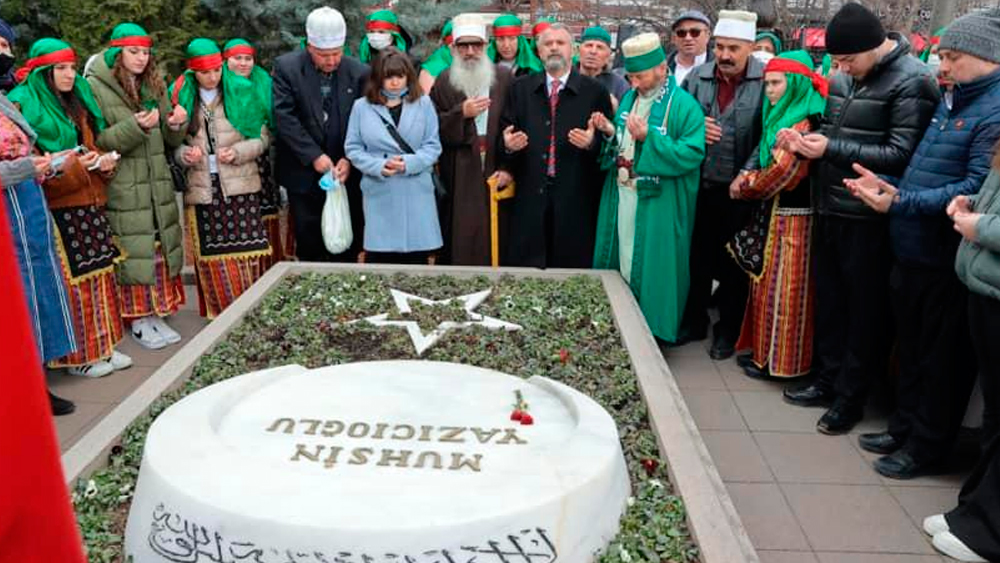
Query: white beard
{"type": "Point", "coordinates": [472, 78]}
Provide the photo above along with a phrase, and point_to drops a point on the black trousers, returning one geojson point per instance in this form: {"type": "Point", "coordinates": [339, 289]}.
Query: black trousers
{"type": "Point", "coordinates": [717, 219]}
{"type": "Point", "coordinates": [936, 366]}
{"type": "Point", "coordinates": [851, 261]}
{"type": "Point", "coordinates": [306, 209]}
{"type": "Point", "coordinates": [976, 521]}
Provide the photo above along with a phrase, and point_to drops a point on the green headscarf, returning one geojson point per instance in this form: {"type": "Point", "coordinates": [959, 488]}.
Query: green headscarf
{"type": "Point", "coordinates": [826, 64]}
{"type": "Point", "coordinates": [934, 40]}
{"type": "Point", "coordinates": [260, 80]}
{"type": "Point", "coordinates": [126, 34]}
{"type": "Point", "coordinates": [804, 97]}
{"type": "Point", "coordinates": [773, 38]}
{"type": "Point", "coordinates": [440, 59]}
{"type": "Point", "coordinates": [381, 20]}
{"type": "Point", "coordinates": [39, 105]}
{"type": "Point", "coordinates": [244, 108]}
{"type": "Point", "coordinates": [526, 57]}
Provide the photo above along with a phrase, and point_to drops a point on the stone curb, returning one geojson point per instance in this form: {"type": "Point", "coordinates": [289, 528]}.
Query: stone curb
{"type": "Point", "coordinates": [712, 518]}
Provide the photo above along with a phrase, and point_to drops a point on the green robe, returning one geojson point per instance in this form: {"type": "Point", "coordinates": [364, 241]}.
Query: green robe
{"type": "Point", "coordinates": [667, 167]}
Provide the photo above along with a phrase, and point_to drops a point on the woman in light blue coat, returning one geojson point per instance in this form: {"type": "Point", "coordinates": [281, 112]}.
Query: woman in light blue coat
{"type": "Point", "coordinates": [401, 219]}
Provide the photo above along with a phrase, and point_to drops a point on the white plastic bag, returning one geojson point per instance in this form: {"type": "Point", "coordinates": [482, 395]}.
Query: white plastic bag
{"type": "Point", "coordinates": [336, 222]}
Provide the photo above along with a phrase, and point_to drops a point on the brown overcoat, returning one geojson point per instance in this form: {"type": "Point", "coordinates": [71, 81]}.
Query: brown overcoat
{"type": "Point", "coordinates": [465, 211]}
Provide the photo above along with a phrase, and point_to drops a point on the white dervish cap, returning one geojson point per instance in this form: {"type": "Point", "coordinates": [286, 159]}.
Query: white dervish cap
{"type": "Point", "coordinates": [325, 28]}
{"type": "Point", "coordinates": [467, 25]}
{"type": "Point", "coordinates": [737, 24]}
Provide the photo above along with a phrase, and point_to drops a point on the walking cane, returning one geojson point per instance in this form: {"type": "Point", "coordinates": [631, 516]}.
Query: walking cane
{"type": "Point", "coordinates": [495, 196]}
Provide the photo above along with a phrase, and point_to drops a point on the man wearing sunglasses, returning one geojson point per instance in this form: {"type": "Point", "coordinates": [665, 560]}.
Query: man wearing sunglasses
{"type": "Point", "coordinates": [690, 38]}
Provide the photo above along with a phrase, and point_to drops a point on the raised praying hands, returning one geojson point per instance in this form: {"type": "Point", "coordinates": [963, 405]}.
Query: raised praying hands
{"type": "Point", "coordinates": [872, 190]}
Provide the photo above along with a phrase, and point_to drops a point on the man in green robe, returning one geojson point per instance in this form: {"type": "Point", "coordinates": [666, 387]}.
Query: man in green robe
{"type": "Point", "coordinates": [654, 150]}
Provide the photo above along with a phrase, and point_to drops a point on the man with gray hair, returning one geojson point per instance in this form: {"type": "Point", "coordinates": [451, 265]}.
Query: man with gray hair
{"type": "Point", "coordinates": [550, 148]}
{"type": "Point", "coordinates": [469, 98]}
{"type": "Point", "coordinates": [314, 90]}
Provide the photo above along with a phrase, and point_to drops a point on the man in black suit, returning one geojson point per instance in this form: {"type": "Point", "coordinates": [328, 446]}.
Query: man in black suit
{"type": "Point", "coordinates": [314, 90]}
{"type": "Point", "coordinates": [549, 147]}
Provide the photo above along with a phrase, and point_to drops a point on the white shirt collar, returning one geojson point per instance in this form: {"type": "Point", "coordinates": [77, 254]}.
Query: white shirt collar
{"type": "Point", "coordinates": [562, 81]}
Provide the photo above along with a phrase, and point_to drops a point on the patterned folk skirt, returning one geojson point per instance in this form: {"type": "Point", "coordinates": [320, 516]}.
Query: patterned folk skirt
{"type": "Point", "coordinates": [778, 323]}
{"type": "Point", "coordinates": [88, 254]}
{"type": "Point", "coordinates": [270, 210]}
{"type": "Point", "coordinates": [163, 298]}
{"type": "Point", "coordinates": [44, 288]}
{"type": "Point", "coordinates": [231, 248]}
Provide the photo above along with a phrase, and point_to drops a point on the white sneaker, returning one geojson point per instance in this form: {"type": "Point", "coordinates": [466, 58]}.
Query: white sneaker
{"type": "Point", "coordinates": [948, 544]}
{"type": "Point", "coordinates": [97, 369]}
{"type": "Point", "coordinates": [146, 335]}
{"type": "Point", "coordinates": [163, 329]}
{"type": "Point", "coordinates": [936, 524]}
{"type": "Point", "coordinates": [119, 360]}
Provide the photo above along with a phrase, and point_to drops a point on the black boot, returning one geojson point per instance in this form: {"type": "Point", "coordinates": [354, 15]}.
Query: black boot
{"type": "Point", "coordinates": [879, 443]}
{"type": "Point", "coordinates": [60, 406]}
{"type": "Point", "coordinates": [840, 419]}
{"type": "Point", "coordinates": [809, 396]}
{"type": "Point", "coordinates": [901, 465]}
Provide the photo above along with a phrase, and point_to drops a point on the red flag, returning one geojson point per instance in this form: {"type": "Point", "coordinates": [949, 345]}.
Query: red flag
{"type": "Point", "coordinates": [36, 517]}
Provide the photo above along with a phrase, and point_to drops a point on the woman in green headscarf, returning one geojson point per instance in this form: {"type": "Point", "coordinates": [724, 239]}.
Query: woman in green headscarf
{"type": "Point", "coordinates": [241, 64]}
{"type": "Point", "coordinates": [774, 248]}
{"type": "Point", "coordinates": [382, 30]}
{"type": "Point", "coordinates": [227, 134]}
{"type": "Point", "coordinates": [142, 204]}
{"type": "Point", "coordinates": [509, 47]}
{"type": "Point", "coordinates": [59, 106]}
{"type": "Point", "coordinates": [439, 60]}
{"type": "Point", "coordinates": [767, 42]}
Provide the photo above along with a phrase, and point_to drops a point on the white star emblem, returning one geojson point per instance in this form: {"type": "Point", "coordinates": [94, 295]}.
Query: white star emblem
{"type": "Point", "coordinates": [423, 341]}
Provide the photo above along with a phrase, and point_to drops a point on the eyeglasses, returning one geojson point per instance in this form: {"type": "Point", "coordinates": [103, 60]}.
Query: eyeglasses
{"type": "Point", "coordinates": [694, 32]}
{"type": "Point", "coordinates": [470, 46]}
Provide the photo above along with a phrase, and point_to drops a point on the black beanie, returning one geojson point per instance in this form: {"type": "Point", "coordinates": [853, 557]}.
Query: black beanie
{"type": "Point", "coordinates": [853, 29]}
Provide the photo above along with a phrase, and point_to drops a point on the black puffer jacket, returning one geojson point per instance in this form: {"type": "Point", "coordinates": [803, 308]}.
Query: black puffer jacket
{"type": "Point", "coordinates": [877, 122]}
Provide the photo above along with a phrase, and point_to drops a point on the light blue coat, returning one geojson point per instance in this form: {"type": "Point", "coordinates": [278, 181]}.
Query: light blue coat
{"type": "Point", "coordinates": [400, 210]}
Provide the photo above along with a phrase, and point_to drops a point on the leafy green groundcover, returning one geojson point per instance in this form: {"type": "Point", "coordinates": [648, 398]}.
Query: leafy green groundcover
{"type": "Point", "coordinates": [569, 335]}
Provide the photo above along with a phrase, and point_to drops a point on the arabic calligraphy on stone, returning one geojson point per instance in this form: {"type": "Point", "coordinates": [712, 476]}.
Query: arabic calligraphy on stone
{"type": "Point", "coordinates": [180, 540]}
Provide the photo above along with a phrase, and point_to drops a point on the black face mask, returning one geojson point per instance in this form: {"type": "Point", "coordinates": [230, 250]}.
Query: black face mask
{"type": "Point", "coordinates": [6, 63]}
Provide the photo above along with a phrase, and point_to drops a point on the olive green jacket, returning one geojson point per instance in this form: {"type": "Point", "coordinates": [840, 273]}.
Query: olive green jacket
{"type": "Point", "coordinates": [142, 205]}
{"type": "Point", "coordinates": [978, 263]}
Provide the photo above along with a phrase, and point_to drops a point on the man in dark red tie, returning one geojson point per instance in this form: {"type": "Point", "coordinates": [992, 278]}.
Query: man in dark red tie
{"type": "Point", "coordinates": [551, 152]}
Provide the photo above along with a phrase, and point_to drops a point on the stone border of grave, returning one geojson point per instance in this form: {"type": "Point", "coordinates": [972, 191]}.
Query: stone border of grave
{"type": "Point", "coordinates": [714, 523]}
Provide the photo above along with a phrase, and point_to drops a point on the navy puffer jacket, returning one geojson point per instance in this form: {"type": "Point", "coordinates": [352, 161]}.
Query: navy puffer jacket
{"type": "Point", "coordinates": [953, 159]}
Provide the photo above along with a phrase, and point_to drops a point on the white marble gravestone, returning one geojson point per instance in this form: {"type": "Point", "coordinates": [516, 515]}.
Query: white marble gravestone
{"type": "Point", "coordinates": [378, 462]}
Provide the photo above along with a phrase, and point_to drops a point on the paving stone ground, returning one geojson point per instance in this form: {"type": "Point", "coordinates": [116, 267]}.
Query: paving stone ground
{"type": "Point", "coordinates": [95, 398]}
{"type": "Point", "coordinates": [802, 496]}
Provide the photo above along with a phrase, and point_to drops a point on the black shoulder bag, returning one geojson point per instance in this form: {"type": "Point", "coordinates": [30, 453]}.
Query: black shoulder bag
{"type": "Point", "coordinates": [439, 190]}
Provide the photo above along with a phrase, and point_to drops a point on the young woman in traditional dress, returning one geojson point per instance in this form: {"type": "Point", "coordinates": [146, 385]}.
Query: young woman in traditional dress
{"type": "Point", "coordinates": [59, 105]}
{"type": "Point", "coordinates": [142, 205]}
{"type": "Point", "coordinates": [774, 248]}
{"type": "Point", "coordinates": [227, 134]}
{"type": "Point", "coordinates": [241, 62]}
{"type": "Point", "coordinates": [33, 236]}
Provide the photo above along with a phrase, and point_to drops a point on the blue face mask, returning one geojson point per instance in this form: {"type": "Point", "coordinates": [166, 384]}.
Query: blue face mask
{"type": "Point", "coordinates": [395, 95]}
